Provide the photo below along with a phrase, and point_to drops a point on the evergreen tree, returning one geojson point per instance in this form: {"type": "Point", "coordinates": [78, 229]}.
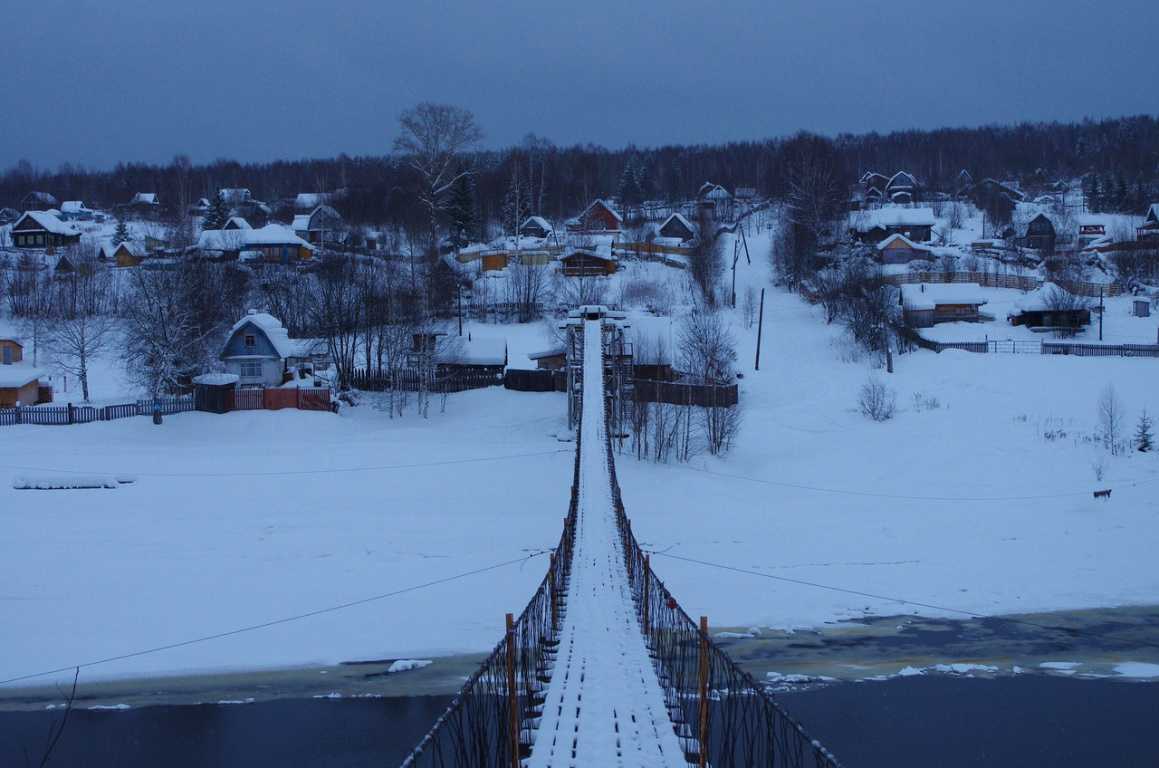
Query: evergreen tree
{"type": "Point", "coordinates": [1095, 196]}
{"type": "Point", "coordinates": [121, 234]}
{"type": "Point", "coordinates": [1144, 440]}
{"type": "Point", "coordinates": [461, 210]}
{"type": "Point", "coordinates": [217, 215]}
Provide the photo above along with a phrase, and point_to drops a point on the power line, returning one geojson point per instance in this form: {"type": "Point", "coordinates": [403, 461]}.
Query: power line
{"type": "Point", "coordinates": [906, 497]}
{"type": "Point", "coordinates": [293, 472]}
{"type": "Point", "coordinates": [273, 622]}
{"type": "Point", "coordinates": [1070, 631]}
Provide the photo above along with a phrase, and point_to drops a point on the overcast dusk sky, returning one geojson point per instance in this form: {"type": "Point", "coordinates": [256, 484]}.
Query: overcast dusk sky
{"type": "Point", "coordinates": [95, 83]}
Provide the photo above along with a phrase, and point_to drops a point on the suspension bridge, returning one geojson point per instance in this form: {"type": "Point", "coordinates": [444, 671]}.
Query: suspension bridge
{"type": "Point", "coordinates": [603, 667]}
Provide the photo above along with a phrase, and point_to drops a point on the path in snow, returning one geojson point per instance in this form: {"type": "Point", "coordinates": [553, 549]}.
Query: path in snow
{"type": "Point", "coordinates": [604, 705]}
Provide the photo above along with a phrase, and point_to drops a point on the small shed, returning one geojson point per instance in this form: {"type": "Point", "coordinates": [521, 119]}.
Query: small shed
{"type": "Point", "coordinates": [20, 385]}
{"type": "Point", "coordinates": [126, 254]}
{"type": "Point", "coordinates": [536, 226]}
{"type": "Point", "coordinates": [473, 355]}
{"type": "Point", "coordinates": [11, 351]}
{"type": "Point", "coordinates": [926, 304]}
{"type": "Point", "coordinates": [213, 392]}
{"type": "Point", "coordinates": [552, 359]}
{"type": "Point", "coordinates": [1142, 308]}
{"type": "Point", "coordinates": [494, 260]}
{"type": "Point", "coordinates": [678, 227]}
{"type": "Point", "coordinates": [587, 262]}
{"type": "Point", "coordinates": [1050, 308]}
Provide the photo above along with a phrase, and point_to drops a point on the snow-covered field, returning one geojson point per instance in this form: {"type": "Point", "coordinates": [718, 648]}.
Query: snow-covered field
{"type": "Point", "coordinates": [981, 503]}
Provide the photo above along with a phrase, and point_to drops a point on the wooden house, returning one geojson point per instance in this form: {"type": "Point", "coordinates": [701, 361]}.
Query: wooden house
{"type": "Point", "coordinates": [494, 260]}
{"type": "Point", "coordinates": [320, 226]}
{"type": "Point", "coordinates": [234, 223]}
{"type": "Point", "coordinates": [536, 226]}
{"type": "Point", "coordinates": [143, 205]}
{"type": "Point", "coordinates": [259, 351]}
{"type": "Point", "coordinates": [1040, 235]}
{"type": "Point", "coordinates": [75, 210]}
{"type": "Point", "coordinates": [902, 188]}
{"type": "Point", "coordinates": [589, 262]}
{"type": "Point", "coordinates": [38, 229]}
{"type": "Point", "coordinates": [926, 304]}
{"type": "Point", "coordinates": [38, 201]}
{"type": "Point", "coordinates": [899, 249]}
{"type": "Point", "coordinates": [19, 383]}
{"type": "Point", "coordinates": [677, 227]}
{"type": "Point", "coordinates": [600, 216]}
{"type": "Point", "coordinates": [1150, 228]}
{"type": "Point", "coordinates": [482, 356]}
{"type": "Point", "coordinates": [272, 244]}
{"type": "Point", "coordinates": [873, 226]}
{"type": "Point", "coordinates": [126, 254]}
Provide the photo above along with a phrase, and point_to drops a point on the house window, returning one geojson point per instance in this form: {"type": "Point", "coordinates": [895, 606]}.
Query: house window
{"type": "Point", "coordinates": [250, 341]}
{"type": "Point", "coordinates": [7, 355]}
{"type": "Point", "coordinates": [251, 370]}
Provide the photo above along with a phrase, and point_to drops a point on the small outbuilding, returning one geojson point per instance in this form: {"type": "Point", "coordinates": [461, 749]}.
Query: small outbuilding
{"type": "Point", "coordinates": [899, 249]}
{"type": "Point", "coordinates": [20, 385]}
{"type": "Point", "coordinates": [600, 216]}
{"type": "Point", "coordinates": [213, 392]}
{"type": "Point", "coordinates": [126, 254]}
{"type": "Point", "coordinates": [677, 227]}
{"type": "Point", "coordinates": [873, 226]}
{"type": "Point", "coordinates": [536, 226]}
{"type": "Point", "coordinates": [551, 359]}
{"type": "Point", "coordinates": [1150, 228]}
{"type": "Point", "coordinates": [1051, 308]}
{"type": "Point", "coordinates": [589, 262]}
{"type": "Point", "coordinates": [926, 304]}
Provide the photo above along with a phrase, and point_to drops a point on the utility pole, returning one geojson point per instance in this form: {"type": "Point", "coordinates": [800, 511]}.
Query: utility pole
{"type": "Point", "coordinates": [1101, 310]}
{"type": "Point", "coordinates": [760, 329]}
{"type": "Point", "coordinates": [459, 291]}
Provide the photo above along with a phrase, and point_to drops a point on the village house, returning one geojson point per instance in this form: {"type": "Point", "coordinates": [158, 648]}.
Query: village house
{"type": "Point", "coordinates": [550, 359]}
{"type": "Point", "coordinates": [1051, 308]}
{"type": "Point", "coordinates": [127, 254]}
{"type": "Point", "coordinates": [39, 229]}
{"type": "Point", "coordinates": [143, 205]}
{"type": "Point", "coordinates": [242, 203]}
{"type": "Point", "coordinates": [75, 210]}
{"type": "Point", "coordinates": [272, 244]}
{"type": "Point", "coordinates": [536, 226]}
{"type": "Point", "coordinates": [1040, 235]}
{"type": "Point", "coordinates": [305, 202]}
{"type": "Point", "coordinates": [259, 351]}
{"type": "Point", "coordinates": [600, 216]}
{"type": "Point", "coordinates": [716, 199]}
{"type": "Point", "coordinates": [234, 223]}
{"type": "Point", "coordinates": [899, 249]}
{"type": "Point", "coordinates": [873, 226]}
{"type": "Point", "coordinates": [873, 187]}
{"type": "Point", "coordinates": [321, 226]}
{"type": "Point", "coordinates": [39, 201]}
{"type": "Point", "coordinates": [589, 262]}
{"type": "Point", "coordinates": [19, 383]}
{"type": "Point", "coordinates": [1150, 228]}
{"type": "Point", "coordinates": [456, 354]}
{"type": "Point", "coordinates": [926, 304]}
{"type": "Point", "coordinates": [678, 228]}
{"type": "Point", "coordinates": [902, 188]}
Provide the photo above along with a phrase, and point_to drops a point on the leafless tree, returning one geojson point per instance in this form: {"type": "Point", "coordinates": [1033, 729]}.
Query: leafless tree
{"type": "Point", "coordinates": [704, 263]}
{"type": "Point", "coordinates": [162, 349]}
{"type": "Point", "coordinates": [335, 313]}
{"type": "Point", "coordinates": [433, 137]}
{"type": "Point", "coordinates": [877, 401]}
{"type": "Point", "coordinates": [81, 323]}
{"type": "Point", "coordinates": [1110, 418]}
{"type": "Point", "coordinates": [526, 286]}
{"type": "Point", "coordinates": [706, 347]}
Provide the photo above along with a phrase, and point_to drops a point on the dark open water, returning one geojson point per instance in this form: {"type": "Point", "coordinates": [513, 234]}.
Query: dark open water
{"type": "Point", "coordinates": [922, 721]}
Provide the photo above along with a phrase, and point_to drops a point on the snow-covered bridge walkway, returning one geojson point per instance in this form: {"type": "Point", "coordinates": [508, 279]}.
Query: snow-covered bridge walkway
{"type": "Point", "coordinates": [604, 705]}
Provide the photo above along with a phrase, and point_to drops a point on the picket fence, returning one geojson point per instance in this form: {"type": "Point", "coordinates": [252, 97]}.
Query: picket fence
{"type": "Point", "coordinates": [85, 414]}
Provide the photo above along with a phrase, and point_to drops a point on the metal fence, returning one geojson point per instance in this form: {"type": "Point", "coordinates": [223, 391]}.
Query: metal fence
{"type": "Point", "coordinates": [85, 414]}
{"type": "Point", "coordinates": [1030, 346]}
{"type": "Point", "coordinates": [723, 717]}
{"type": "Point", "coordinates": [1004, 280]}
{"type": "Point", "coordinates": [492, 719]}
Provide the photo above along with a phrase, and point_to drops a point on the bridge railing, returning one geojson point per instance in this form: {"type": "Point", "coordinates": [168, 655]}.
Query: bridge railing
{"type": "Point", "coordinates": [491, 721]}
{"type": "Point", "coordinates": [722, 715]}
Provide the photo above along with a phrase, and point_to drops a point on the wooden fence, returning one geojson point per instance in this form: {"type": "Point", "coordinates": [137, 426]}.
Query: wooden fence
{"type": "Point", "coordinates": [85, 414]}
{"type": "Point", "coordinates": [413, 380]}
{"type": "Point", "coordinates": [1001, 280]}
{"type": "Point", "coordinates": [536, 380]}
{"type": "Point", "coordinates": [686, 393]}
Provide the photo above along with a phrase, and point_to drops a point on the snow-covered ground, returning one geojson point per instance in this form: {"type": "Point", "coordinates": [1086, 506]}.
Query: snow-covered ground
{"type": "Point", "coordinates": [981, 503]}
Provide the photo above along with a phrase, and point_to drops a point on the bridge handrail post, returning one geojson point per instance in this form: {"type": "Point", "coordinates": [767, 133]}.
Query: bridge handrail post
{"type": "Point", "coordinates": [702, 731]}
{"type": "Point", "coordinates": [647, 580]}
{"type": "Point", "coordinates": [512, 695]}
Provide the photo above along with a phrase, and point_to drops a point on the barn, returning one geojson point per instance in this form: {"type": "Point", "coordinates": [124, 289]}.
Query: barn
{"type": "Point", "coordinates": [600, 216]}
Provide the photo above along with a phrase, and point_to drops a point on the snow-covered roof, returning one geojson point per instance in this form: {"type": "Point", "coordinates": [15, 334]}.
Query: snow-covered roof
{"type": "Point", "coordinates": [73, 206]}
{"type": "Point", "coordinates": [898, 237]}
{"type": "Point", "coordinates": [144, 198]}
{"type": "Point", "coordinates": [1094, 220]}
{"type": "Point", "coordinates": [301, 222]}
{"type": "Point", "coordinates": [550, 352]}
{"type": "Point", "coordinates": [1043, 298]}
{"type": "Point", "coordinates": [238, 222]}
{"type": "Point", "coordinates": [137, 249]}
{"type": "Point", "coordinates": [680, 218]}
{"type": "Point", "coordinates": [601, 252]}
{"type": "Point", "coordinates": [1153, 212]}
{"type": "Point", "coordinates": [930, 295]}
{"type": "Point", "coordinates": [43, 197]}
{"type": "Point", "coordinates": [216, 379]}
{"type": "Point", "coordinates": [239, 239]}
{"type": "Point", "coordinates": [537, 221]}
{"type": "Point", "coordinates": [234, 194]}
{"type": "Point", "coordinates": [605, 204]}
{"type": "Point", "coordinates": [277, 334]}
{"type": "Point", "coordinates": [12, 376]}
{"type": "Point", "coordinates": [310, 200]}
{"type": "Point", "coordinates": [863, 221]}
{"type": "Point", "coordinates": [48, 223]}
{"type": "Point", "coordinates": [461, 351]}
{"type": "Point", "coordinates": [902, 178]}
